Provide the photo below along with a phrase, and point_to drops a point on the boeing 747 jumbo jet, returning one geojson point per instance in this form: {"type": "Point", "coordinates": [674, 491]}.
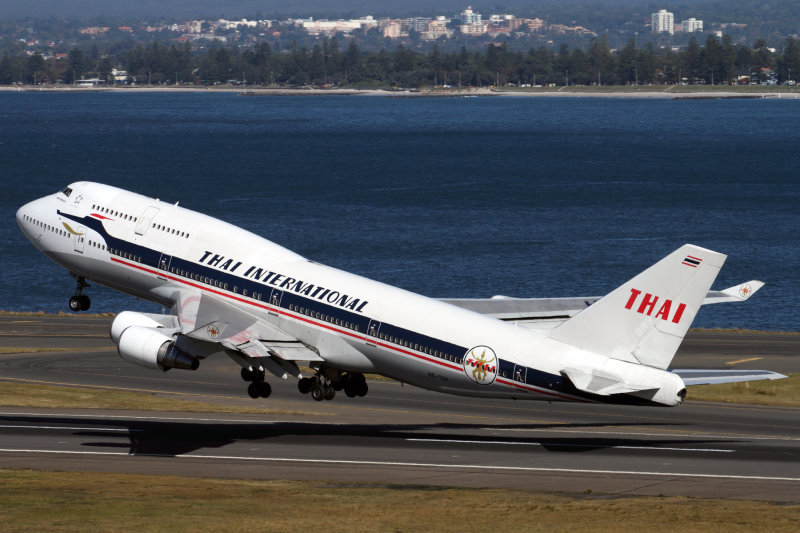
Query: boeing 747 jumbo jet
{"type": "Point", "coordinates": [271, 310]}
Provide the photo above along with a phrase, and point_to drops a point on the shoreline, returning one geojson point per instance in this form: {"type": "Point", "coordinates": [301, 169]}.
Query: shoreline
{"type": "Point", "coordinates": [649, 92]}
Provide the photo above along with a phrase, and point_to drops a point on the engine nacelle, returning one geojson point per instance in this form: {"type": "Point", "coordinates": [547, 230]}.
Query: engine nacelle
{"type": "Point", "coordinates": [150, 348]}
{"type": "Point", "coordinates": [126, 319]}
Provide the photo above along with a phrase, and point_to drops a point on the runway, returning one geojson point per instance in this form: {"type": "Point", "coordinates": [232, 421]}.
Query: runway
{"type": "Point", "coordinates": [401, 434]}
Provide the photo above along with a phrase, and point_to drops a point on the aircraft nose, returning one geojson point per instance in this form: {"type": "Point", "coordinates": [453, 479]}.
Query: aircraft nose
{"type": "Point", "coordinates": [25, 217]}
{"type": "Point", "coordinates": [22, 218]}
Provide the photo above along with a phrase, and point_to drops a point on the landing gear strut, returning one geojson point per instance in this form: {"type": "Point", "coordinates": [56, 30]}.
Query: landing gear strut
{"type": "Point", "coordinates": [258, 388]}
{"type": "Point", "coordinates": [79, 301]}
{"type": "Point", "coordinates": [323, 388]}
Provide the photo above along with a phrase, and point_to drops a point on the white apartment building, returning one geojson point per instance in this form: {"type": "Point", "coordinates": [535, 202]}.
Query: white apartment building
{"type": "Point", "coordinates": [692, 25]}
{"type": "Point", "coordinates": [663, 21]}
{"type": "Point", "coordinates": [469, 17]}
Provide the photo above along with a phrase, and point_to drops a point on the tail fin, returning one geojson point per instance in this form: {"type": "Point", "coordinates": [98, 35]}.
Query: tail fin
{"type": "Point", "coordinates": [645, 320]}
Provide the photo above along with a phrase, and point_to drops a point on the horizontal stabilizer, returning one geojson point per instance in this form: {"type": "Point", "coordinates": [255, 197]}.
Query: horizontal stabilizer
{"type": "Point", "coordinates": [547, 313]}
{"type": "Point", "coordinates": [737, 293]}
{"type": "Point", "coordinates": [710, 377]}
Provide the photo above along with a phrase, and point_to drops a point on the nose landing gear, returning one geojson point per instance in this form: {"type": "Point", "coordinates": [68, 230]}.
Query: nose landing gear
{"type": "Point", "coordinates": [79, 301]}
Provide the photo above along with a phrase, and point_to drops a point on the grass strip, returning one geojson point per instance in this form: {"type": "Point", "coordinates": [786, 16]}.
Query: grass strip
{"type": "Point", "coordinates": [17, 394]}
{"type": "Point", "coordinates": [28, 349]}
{"type": "Point", "coordinates": [780, 392]}
{"type": "Point", "coordinates": [56, 501]}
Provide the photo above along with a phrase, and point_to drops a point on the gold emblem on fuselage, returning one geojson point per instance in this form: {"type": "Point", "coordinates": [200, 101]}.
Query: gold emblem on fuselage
{"type": "Point", "coordinates": [480, 365]}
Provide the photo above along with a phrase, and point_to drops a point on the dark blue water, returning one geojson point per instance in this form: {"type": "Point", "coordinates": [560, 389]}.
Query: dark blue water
{"type": "Point", "coordinates": [460, 197]}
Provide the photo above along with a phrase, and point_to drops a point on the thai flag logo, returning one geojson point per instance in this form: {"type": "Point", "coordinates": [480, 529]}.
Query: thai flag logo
{"type": "Point", "coordinates": [692, 261]}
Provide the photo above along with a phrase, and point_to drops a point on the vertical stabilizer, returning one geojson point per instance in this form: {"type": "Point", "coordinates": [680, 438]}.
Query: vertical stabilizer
{"type": "Point", "coordinates": [645, 320]}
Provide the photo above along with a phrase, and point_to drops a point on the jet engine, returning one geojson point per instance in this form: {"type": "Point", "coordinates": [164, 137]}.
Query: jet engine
{"type": "Point", "coordinates": [150, 348]}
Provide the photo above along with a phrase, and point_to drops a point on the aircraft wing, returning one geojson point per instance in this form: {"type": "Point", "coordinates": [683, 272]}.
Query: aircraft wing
{"type": "Point", "coordinates": [546, 313]}
{"type": "Point", "coordinates": [249, 340]}
{"type": "Point", "coordinates": [711, 377]}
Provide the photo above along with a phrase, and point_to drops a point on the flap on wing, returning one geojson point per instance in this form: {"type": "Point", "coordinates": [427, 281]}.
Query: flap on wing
{"type": "Point", "coordinates": [596, 381]}
{"type": "Point", "coordinates": [293, 351]}
{"type": "Point", "coordinates": [710, 377]}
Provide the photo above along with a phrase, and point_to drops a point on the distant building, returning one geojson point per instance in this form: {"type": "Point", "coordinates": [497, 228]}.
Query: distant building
{"type": "Point", "coordinates": [437, 28]}
{"type": "Point", "coordinates": [536, 24]}
{"type": "Point", "coordinates": [692, 25]}
{"type": "Point", "coordinates": [473, 29]}
{"type": "Point", "coordinates": [332, 27]}
{"type": "Point", "coordinates": [663, 21]}
{"type": "Point", "coordinates": [393, 29]}
{"type": "Point", "coordinates": [469, 17]}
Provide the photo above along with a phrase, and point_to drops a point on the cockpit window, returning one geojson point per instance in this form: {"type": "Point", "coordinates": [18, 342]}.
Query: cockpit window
{"type": "Point", "coordinates": [67, 191]}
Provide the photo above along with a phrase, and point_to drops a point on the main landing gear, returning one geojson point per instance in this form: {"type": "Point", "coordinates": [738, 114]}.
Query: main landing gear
{"type": "Point", "coordinates": [79, 301]}
{"type": "Point", "coordinates": [323, 388]}
{"type": "Point", "coordinates": [258, 388]}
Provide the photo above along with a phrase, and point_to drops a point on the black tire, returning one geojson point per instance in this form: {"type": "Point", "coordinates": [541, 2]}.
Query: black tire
{"type": "Point", "coordinates": [350, 391]}
{"type": "Point", "coordinates": [264, 389]}
{"type": "Point", "coordinates": [329, 393]}
{"type": "Point", "coordinates": [253, 390]}
{"type": "Point", "coordinates": [74, 304]}
{"type": "Point", "coordinates": [317, 392]}
{"type": "Point", "coordinates": [363, 389]}
{"type": "Point", "coordinates": [248, 375]}
{"type": "Point", "coordinates": [85, 302]}
{"type": "Point", "coordinates": [304, 385]}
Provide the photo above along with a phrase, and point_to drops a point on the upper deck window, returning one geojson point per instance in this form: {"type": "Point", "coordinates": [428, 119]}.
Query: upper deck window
{"type": "Point", "coordinates": [67, 191]}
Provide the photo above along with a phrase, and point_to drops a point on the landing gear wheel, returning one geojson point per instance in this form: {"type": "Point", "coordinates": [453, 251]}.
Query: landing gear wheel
{"type": "Point", "coordinates": [79, 301]}
{"type": "Point", "coordinates": [355, 385]}
{"type": "Point", "coordinates": [264, 389]}
{"type": "Point", "coordinates": [253, 390]}
{"type": "Point", "coordinates": [317, 392]}
{"type": "Point", "coordinates": [304, 385]}
{"type": "Point", "coordinates": [329, 393]}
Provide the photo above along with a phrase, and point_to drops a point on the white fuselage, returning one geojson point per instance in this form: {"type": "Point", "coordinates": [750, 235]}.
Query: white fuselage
{"type": "Point", "coordinates": [155, 250]}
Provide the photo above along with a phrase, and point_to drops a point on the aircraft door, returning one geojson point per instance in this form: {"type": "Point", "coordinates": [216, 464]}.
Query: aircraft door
{"type": "Point", "coordinates": [145, 220]}
{"type": "Point", "coordinates": [80, 239]}
{"type": "Point", "coordinates": [275, 297]}
{"type": "Point", "coordinates": [372, 330]}
{"type": "Point", "coordinates": [164, 263]}
{"type": "Point", "coordinates": [520, 373]}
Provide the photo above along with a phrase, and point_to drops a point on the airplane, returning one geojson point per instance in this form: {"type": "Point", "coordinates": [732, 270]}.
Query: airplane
{"type": "Point", "coordinates": [271, 310]}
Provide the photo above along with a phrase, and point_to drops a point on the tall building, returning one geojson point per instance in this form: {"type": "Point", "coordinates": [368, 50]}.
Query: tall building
{"type": "Point", "coordinates": [692, 25]}
{"type": "Point", "coordinates": [469, 17]}
{"type": "Point", "coordinates": [663, 21]}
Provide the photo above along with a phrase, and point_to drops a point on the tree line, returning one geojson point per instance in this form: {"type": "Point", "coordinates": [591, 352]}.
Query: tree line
{"type": "Point", "coordinates": [717, 61]}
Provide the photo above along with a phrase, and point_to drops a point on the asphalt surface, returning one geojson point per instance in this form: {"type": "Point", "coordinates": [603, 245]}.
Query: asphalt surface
{"type": "Point", "coordinates": [400, 434]}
